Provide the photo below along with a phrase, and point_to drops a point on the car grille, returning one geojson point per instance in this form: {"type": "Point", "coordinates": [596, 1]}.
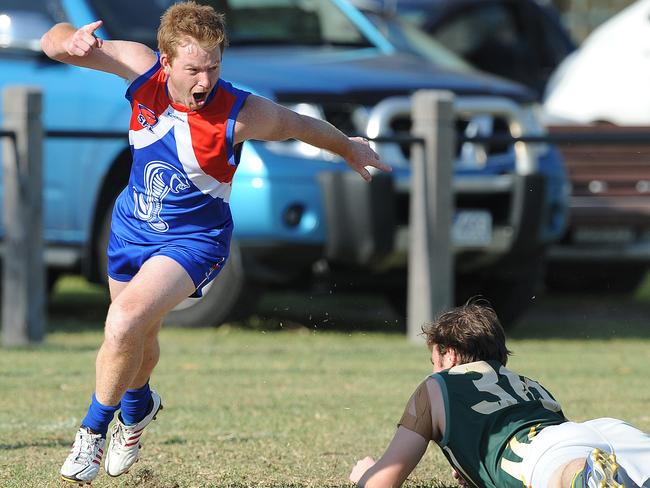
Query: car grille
{"type": "Point", "coordinates": [401, 126]}
{"type": "Point", "coordinates": [352, 119]}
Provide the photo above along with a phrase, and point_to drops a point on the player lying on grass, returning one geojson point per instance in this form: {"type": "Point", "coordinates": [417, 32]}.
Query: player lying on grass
{"type": "Point", "coordinates": [499, 429]}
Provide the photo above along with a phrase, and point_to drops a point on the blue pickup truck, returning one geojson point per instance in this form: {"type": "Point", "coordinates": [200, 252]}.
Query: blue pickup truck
{"type": "Point", "coordinates": [291, 202]}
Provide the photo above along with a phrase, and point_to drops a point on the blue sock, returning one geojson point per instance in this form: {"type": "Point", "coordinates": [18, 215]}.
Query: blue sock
{"type": "Point", "coordinates": [135, 405]}
{"type": "Point", "coordinates": [99, 416]}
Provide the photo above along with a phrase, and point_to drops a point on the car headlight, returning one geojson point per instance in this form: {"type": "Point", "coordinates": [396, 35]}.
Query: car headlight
{"type": "Point", "coordinates": [299, 149]}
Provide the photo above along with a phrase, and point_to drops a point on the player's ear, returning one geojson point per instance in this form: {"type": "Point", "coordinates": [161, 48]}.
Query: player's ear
{"type": "Point", "coordinates": [164, 62]}
{"type": "Point", "coordinates": [451, 357]}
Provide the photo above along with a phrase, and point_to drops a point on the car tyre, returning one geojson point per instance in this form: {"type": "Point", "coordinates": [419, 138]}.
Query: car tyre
{"type": "Point", "coordinates": [229, 297]}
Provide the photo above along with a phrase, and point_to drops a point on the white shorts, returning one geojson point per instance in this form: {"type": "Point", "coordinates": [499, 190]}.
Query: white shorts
{"type": "Point", "coordinates": [557, 445]}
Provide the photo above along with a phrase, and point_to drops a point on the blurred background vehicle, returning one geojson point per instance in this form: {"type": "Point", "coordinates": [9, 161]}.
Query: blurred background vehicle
{"type": "Point", "coordinates": [606, 80]}
{"type": "Point", "coordinates": [301, 224]}
{"type": "Point", "coordinates": [603, 87]}
{"type": "Point", "coordinates": [520, 40]}
{"type": "Point", "coordinates": [607, 244]}
{"type": "Point", "coordinates": [402, 21]}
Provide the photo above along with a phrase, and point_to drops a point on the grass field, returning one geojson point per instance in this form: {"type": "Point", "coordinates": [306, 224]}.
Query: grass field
{"type": "Point", "coordinates": [284, 405]}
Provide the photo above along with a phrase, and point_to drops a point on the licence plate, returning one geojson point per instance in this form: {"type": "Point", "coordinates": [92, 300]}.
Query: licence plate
{"type": "Point", "coordinates": [472, 228]}
{"type": "Point", "coordinates": [604, 234]}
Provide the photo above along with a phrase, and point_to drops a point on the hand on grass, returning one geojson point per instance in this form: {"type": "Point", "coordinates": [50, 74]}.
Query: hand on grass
{"type": "Point", "coordinates": [360, 468]}
{"type": "Point", "coordinates": [459, 478]}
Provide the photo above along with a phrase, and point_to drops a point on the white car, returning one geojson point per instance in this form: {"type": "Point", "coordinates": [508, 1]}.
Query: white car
{"type": "Point", "coordinates": [604, 87]}
{"type": "Point", "coordinates": [607, 78]}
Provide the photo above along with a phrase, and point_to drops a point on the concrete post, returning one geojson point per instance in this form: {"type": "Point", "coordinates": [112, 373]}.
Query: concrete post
{"type": "Point", "coordinates": [430, 265]}
{"type": "Point", "coordinates": [23, 274]}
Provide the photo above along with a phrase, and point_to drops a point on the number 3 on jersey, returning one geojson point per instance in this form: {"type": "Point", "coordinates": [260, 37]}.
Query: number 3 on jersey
{"type": "Point", "coordinates": [523, 389]}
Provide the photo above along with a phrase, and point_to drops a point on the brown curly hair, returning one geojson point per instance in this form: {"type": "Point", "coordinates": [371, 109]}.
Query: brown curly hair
{"type": "Point", "coordinates": [189, 19]}
{"type": "Point", "coordinates": [473, 330]}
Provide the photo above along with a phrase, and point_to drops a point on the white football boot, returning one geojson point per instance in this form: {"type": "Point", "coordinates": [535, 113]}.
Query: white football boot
{"type": "Point", "coordinates": [82, 464]}
{"type": "Point", "coordinates": [124, 448]}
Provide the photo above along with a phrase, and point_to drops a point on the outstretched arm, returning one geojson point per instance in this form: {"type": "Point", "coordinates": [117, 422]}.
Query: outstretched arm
{"type": "Point", "coordinates": [81, 47]}
{"type": "Point", "coordinates": [391, 470]}
{"type": "Point", "coordinates": [264, 120]}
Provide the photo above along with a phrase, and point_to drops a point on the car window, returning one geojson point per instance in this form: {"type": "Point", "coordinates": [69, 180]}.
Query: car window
{"type": "Point", "coordinates": [23, 22]}
{"type": "Point", "coordinates": [489, 37]}
{"type": "Point", "coordinates": [287, 22]}
{"type": "Point", "coordinates": [408, 37]}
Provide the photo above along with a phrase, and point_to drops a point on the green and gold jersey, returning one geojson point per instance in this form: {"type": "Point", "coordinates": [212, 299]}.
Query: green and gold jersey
{"type": "Point", "coordinates": [492, 414]}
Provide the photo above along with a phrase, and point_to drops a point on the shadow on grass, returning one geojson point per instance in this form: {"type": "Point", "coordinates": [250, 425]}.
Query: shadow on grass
{"type": "Point", "coordinates": [76, 305]}
{"type": "Point", "coordinates": [342, 312]}
{"type": "Point", "coordinates": [553, 316]}
{"type": "Point", "coordinates": [586, 316]}
{"type": "Point", "coordinates": [564, 316]}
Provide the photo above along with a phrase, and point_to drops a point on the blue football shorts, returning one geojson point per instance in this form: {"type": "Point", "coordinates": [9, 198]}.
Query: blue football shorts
{"type": "Point", "coordinates": [125, 259]}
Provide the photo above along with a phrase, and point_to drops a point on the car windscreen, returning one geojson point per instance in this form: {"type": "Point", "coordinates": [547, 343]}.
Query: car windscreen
{"type": "Point", "coordinates": [249, 22]}
{"type": "Point", "coordinates": [408, 37]}
{"type": "Point", "coordinates": [23, 22]}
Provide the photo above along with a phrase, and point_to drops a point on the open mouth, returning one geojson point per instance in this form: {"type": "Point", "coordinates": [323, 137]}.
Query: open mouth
{"type": "Point", "coordinates": [199, 96]}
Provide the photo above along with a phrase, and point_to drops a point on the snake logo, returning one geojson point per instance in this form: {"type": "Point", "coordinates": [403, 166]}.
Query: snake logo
{"type": "Point", "coordinates": [160, 178]}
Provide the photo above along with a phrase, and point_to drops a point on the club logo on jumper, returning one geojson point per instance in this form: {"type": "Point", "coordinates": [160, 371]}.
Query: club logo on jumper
{"type": "Point", "coordinates": [147, 117]}
{"type": "Point", "coordinates": [160, 178]}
